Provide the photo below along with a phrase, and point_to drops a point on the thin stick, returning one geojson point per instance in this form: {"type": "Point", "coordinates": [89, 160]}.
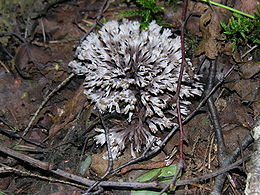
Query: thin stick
{"type": "Point", "coordinates": [109, 155]}
{"type": "Point", "coordinates": [7, 169]}
{"type": "Point", "coordinates": [43, 31]}
{"type": "Point", "coordinates": [130, 185]}
{"type": "Point", "coordinates": [5, 67]}
{"type": "Point", "coordinates": [248, 51]}
{"type": "Point", "coordinates": [63, 83]}
{"type": "Point", "coordinates": [229, 8]}
{"type": "Point", "coordinates": [183, 64]}
{"type": "Point", "coordinates": [214, 113]}
{"type": "Point", "coordinates": [178, 90]}
{"type": "Point", "coordinates": [17, 136]}
{"type": "Point", "coordinates": [103, 8]}
{"type": "Point", "coordinates": [217, 188]}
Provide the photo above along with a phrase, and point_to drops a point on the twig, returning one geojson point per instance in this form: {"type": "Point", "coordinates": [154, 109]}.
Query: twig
{"type": "Point", "coordinates": [224, 159]}
{"type": "Point", "coordinates": [215, 121]}
{"type": "Point", "coordinates": [220, 180]}
{"type": "Point", "coordinates": [130, 185]}
{"type": "Point", "coordinates": [63, 83]}
{"type": "Point", "coordinates": [6, 123]}
{"type": "Point", "coordinates": [103, 8]}
{"type": "Point", "coordinates": [7, 169]}
{"type": "Point", "coordinates": [14, 135]}
{"type": "Point", "coordinates": [213, 174]}
{"type": "Point", "coordinates": [218, 131]}
{"type": "Point", "coordinates": [178, 108]}
{"type": "Point", "coordinates": [214, 113]}
{"type": "Point", "coordinates": [248, 51]}
{"type": "Point", "coordinates": [43, 31]}
{"type": "Point", "coordinates": [183, 64]}
{"type": "Point", "coordinates": [109, 155]}
{"type": "Point", "coordinates": [31, 161]}
{"type": "Point", "coordinates": [5, 67]}
{"type": "Point", "coordinates": [210, 159]}
{"type": "Point", "coordinates": [7, 52]}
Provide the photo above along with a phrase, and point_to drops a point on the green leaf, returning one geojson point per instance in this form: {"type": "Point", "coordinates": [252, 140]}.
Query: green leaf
{"type": "Point", "coordinates": [84, 165]}
{"type": "Point", "coordinates": [160, 172]}
{"type": "Point", "coordinates": [168, 171]}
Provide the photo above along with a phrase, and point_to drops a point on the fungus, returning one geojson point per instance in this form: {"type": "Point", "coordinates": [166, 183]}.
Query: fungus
{"type": "Point", "coordinates": [134, 73]}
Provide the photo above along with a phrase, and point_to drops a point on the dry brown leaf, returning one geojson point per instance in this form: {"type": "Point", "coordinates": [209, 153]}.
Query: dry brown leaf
{"type": "Point", "coordinates": [28, 59]}
{"type": "Point", "coordinates": [248, 6]}
{"type": "Point", "coordinates": [249, 69]}
{"type": "Point", "coordinates": [256, 108]}
{"type": "Point", "coordinates": [248, 90]}
{"type": "Point", "coordinates": [210, 28]}
{"type": "Point", "coordinates": [69, 111]}
{"type": "Point", "coordinates": [237, 114]}
{"type": "Point", "coordinates": [19, 101]}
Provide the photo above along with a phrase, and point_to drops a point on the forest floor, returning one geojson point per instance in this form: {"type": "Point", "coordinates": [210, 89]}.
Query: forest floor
{"type": "Point", "coordinates": [34, 57]}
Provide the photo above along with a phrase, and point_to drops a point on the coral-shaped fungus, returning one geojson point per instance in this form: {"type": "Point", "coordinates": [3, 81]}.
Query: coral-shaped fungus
{"type": "Point", "coordinates": [134, 72]}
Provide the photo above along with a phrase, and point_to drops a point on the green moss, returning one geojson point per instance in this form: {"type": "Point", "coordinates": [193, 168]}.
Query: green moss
{"type": "Point", "coordinates": [241, 29]}
{"type": "Point", "coordinates": [148, 11]}
{"type": "Point", "coordinates": [191, 44]}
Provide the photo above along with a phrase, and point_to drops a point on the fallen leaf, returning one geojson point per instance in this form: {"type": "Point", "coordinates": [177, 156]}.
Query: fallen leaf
{"type": "Point", "coordinates": [85, 164]}
{"type": "Point", "coordinates": [249, 69]}
{"type": "Point", "coordinates": [211, 32]}
{"type": "Point", "coordinates": [153, 174]}
{"type": "Point", "coordinates": [248, 6]}
{"type": "Point", "coordinates": [248, 90]}
{"type": "Point", "coordinates": [28, 60]}
{"type": "Point", "coordinates": [69, 111]}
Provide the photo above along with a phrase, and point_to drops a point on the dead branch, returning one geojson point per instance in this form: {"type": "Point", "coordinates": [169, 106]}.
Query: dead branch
{"type": "Point", "coordinates": [217, 128]}
{"type": "Point", "coordinates": [129, 185]}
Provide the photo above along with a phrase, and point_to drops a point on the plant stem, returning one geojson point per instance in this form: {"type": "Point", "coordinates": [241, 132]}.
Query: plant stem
{"type": "Point", "coordinates": [229, 8]}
